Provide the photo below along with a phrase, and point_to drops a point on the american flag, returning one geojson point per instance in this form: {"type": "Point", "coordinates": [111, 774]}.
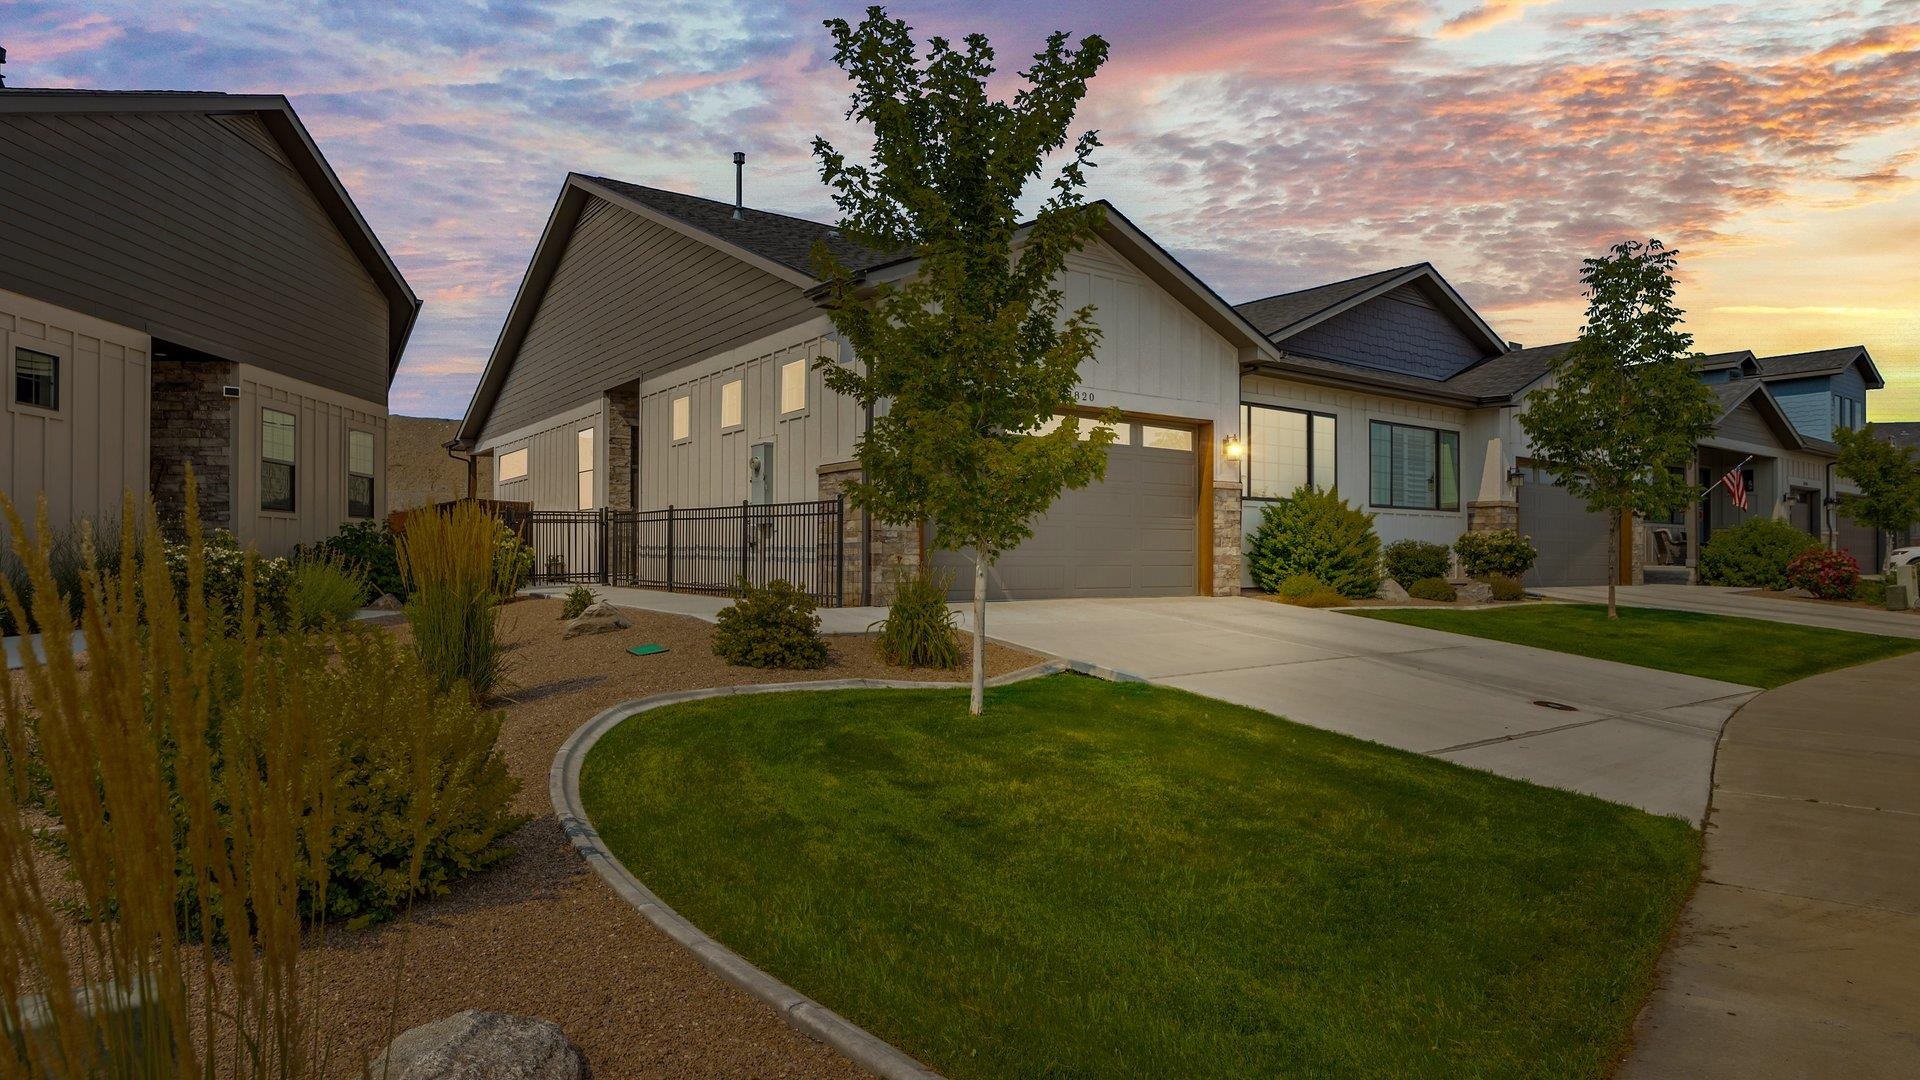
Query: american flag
{"type": "Point", "coordinates": [1736, 482]}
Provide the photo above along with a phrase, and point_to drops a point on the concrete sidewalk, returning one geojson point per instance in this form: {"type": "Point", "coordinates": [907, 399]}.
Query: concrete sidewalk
{"type": "Point", "coordinates": [1743, 603]}
{"type": "Point", "coordinates": [1799, 955]}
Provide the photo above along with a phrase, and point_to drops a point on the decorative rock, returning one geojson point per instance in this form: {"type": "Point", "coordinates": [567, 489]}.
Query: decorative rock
{"type": "Point", "coordinates": [1474, 592]}
{"type": "Point", "coordinates": [476, 1045]}
{"type": "Point", "coordinates": [1391, 590]}
{"type": "Point", "coordinates": [600, 617]}
{"type": "Point", "coordinates": [386, 603]}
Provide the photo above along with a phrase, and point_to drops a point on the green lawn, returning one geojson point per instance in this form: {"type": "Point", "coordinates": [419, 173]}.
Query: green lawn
{"type": "Point", "coordinates": [1753, 652]}
{"type": "Point", "coordinates": [1101, 880]}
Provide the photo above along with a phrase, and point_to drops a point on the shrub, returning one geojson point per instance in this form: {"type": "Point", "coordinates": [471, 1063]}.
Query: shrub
{"type": "Point", "coordinates": [918, 630]}
{"type": "Point", "coordinates": [770, 626]}
{"type": "Point", "coordinates": [324, 592]}
{"type": "Point", "coordinates": [1502, 552]}
{"type": "Point", "coordinates": [1432, 588]}
{"type": "Point", "coordinates": [67, 547]}
{"type": "Point", "coordinates": [515, 561]}
{"type": "Point", "coordinates": [452, 566]}
{"type": "Point", "coordinates": [1315, 532]}
{"type": "Point", "coordinates": [579, 598]}
{"type": "Point", "coordinates": [1829, 575]}
{"type": "Point", "coordinates": [1298, 585]}
{"type": "Point", "coordinates": [367, 546]}
{"type": "Point", "coordinates": [1504, 588]}
{"type": "Point", "coordinates": [1408, 561]}
{"type": "Point", "coordinates": [1872, 591]}
{"type": "Point", "coordinates": [225, 565]}
{"type": "Point", "coordinates": [1752, 554]}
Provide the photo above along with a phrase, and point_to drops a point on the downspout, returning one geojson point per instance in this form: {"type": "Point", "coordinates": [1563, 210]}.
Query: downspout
{"type": "Point", "coordinates": [1829, 528]}
{"type": "Point", "coordinates": [456, 447]}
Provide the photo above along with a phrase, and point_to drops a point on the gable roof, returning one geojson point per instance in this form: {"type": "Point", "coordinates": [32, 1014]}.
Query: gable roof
{"type": "Point", "coordinates": [277, 116]}
{"type": "Point", "coordinates": [1822, 362]}
{"type": "Point", "coordinates": [1742, 359]}
{"type": "Point", "coordinates": [1282, 311]}
{"type": "Point", "coordinates": [1904, 433]}
{"type": "Point", "coordinates": [1732, 395]}
{"type": "Point", "coordinates": [1285, 314]}
{"type": "Point", "coordinates": [778, 238]}
{"type": "Point", "coordinates": [1510, 372]}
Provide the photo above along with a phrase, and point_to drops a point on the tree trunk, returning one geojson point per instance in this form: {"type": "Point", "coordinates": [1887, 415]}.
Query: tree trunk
{"type": "Point", "coordinates": [1613, 560]}
{"type": "Point", "coordinates": [977, 702]}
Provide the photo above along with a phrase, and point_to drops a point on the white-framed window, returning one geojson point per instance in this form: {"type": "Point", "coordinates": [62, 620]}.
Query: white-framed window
{"type": "Point", "coordinates": [277, 442]}
{"type": "Point", "coordinates": [36, 377]}
{"type": "Point", "coordinates": [682, 418]}
{"type": "Point", "coordinates": [1286, 449]}
{"type": "Point", "coordinates": [732, 412]}
{"type": "Point", "coordinates": [513, 465]}
{"type": "Point", "coordinates": [1122, 432]}
{"type": "Point", "coordinates": [359, 474]}
{"type": "Point", "coordinates": [1414, 468]}
{"type": "Point", "coordinates": [793, 387]}
{"type": "Point", "coordinates": [584, 450]}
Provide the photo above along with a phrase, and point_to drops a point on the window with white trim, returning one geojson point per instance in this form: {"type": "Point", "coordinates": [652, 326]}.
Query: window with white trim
{"type": "Point", "coordinates": [277, 441]}
{"type": "Point", "coordinates": [731, 413]}
{"type": "Point", "coordinates": [1286, 449]}
{"type": "Point", "coordinates": [1414, 468]}
{"type": "Point", "coordinates": [584, 450]}
{"type": "Point", "coordinates": [513, 465]}
{"type": "Point", "coordinates": [793, 386]}
{"type": "Point", "coordinates": [359, 474]}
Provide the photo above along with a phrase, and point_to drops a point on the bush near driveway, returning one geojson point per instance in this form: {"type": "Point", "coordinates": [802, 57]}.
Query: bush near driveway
{"type": "Point", "coordinates": [1753, 554]}
{"type": "Point", "coordinates": [1829, 575]}
{"type": "Point", "coordinates": [1316, 532]}
{"type": "Point", "coordinates": [1433, 589]}
{"type": "Point", "coordinates": [1408, 561]}
{"type": "Point", "coordinates": [770, 626]}
{"type": "Point", "coordinates": [1502, 551]}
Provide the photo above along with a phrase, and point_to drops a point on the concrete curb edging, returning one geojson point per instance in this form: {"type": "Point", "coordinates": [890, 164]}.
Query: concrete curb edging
{"type": "Point", "coordinates": [801, 1012]}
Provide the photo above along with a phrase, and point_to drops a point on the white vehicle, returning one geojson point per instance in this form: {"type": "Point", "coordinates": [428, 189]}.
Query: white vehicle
{"type": "Point", "coordinates": [1905, 556]}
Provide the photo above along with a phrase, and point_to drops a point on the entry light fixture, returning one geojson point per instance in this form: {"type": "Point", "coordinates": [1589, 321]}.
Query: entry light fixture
{"type": "Point", "coordinates": [1516, 475]}
{"type": "Point", "coordinates": [1233, 448]}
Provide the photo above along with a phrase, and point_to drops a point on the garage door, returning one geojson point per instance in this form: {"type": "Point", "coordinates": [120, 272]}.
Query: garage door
{"type": "Point", "coordinates": [1860, 541]}
{"type": "Point", "coordinates": [1572, 541]}
{"type": "Point", "coordinates": [1132, 534]}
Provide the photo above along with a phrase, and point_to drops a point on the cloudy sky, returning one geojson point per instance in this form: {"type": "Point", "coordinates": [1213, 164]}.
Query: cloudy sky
{"type": "Point", "coordinates": [1271, 144]}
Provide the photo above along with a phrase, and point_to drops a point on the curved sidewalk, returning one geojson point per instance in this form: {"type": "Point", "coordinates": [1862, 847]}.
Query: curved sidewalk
{"type": "Point", "coordinates": [1799, 955]}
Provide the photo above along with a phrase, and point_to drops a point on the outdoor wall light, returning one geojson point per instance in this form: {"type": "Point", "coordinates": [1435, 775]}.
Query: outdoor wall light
{"type": "Point", "coordinates": [1516, 475]}
{"type": "Point", "coordinates": [1233, 448]}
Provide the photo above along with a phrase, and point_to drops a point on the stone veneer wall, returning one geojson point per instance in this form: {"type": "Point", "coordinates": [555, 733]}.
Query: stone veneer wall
{"type": "Point", "coordinates": [193, 423]}
{"type": "Point", "coordinates": [877, 556]}
{"type": "Point", "coordinates": [1493, 516]}
{"type": "Point", "coordinates": [623, 416]}
{"type": "Point", "coordinates": [1227, 552]}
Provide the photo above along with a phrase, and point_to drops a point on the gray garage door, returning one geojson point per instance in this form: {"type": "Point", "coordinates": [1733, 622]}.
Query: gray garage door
{"type": "Point", "coordinates": [1572, 541]}
{"type": "Point", "coordinates": [1860, 541]}
{"type": "Point", "coordinates": [1132, 534]}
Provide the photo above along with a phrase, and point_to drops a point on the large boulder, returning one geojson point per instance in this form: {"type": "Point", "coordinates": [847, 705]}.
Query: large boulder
{"type": "Point", "coordinates": [475, 1045]}
{"type": "Point", "coordinates": [1474, 592]}
{"type": "Point", "coordinates": [1391, 590]}
{"type": "Point", "coordinates": [387, 602]}
{"type": "Point", "coordinates": [600, 617]}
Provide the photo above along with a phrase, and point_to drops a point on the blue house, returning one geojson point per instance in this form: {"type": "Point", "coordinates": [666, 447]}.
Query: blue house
{"type": "Point", "coordinates": [1822, 391]}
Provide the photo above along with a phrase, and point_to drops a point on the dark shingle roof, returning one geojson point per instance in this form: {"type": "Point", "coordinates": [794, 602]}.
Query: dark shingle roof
{"type": "Point", "coordinates": [1508, 373]}
{"type": "Point", "coordinates": [1717, 361]}
{"type": "Point", "coordinates": [779, 238]}
{"type": "Point", "coordinates": [1272, 314]}
{"type": "Point", "coordinates": [1819, 362]}
{"type": "Point", "coordinates": [1731, 394]}
{"type": "Point", "coordinates": [1906, 433]}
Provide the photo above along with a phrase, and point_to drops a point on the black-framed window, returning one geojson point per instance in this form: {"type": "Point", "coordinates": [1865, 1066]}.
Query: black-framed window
{"type": "Point", "coordinates": [276, 460]}
{"type": "Point", "coordinates": [1414, 468]}
{"type": "Point", "coordinates": [36, 378]}
{"type": "Point", "coordinates": [1286, 449]}
{"type": "Point", "coordinates": [360, 474]}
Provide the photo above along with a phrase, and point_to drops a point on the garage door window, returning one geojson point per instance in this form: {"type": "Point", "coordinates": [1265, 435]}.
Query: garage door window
{"type": "Point", "coordinates": [1415, 468]}
{"type": "Point", "coordinates": [1286, 449]}
{"type": "Point", "coordinates": [1122, 433]}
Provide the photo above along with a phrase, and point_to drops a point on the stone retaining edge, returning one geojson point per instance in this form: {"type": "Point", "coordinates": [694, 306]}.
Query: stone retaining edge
{"type": "Point", "coordinates": [801, 1012]}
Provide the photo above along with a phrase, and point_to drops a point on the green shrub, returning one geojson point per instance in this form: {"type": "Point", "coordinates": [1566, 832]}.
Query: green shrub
{"type": "Point", "coordinates": [770, 626]}
{"type": "Point", "coordinates": [368, 546]}
{"type": "Point", "coordinates": [1325, 598]}
{"type": "Point", "coordinates": [1503, 552]}
{"type": "Point", "coordinates": [323, 592]}
{"type": "Point", "coordinates": [1408, 561]}
{"type": "Point", "coordinates": [452, 565]}
{"type": "Point", "coordinates": [514, 561]}
{"type": "Point", "coordinates": [918, 630]}
{"type": "Point", "coordinates": [67, 556]}
{"type": "Point", "coordinates": [1752, 554]}
{"type": "Point", "coordinates": [1829, 575]}
{"type": "Point", "coordinates": [225, 563]}
{"type": "Point", "coordinates": [1504, 588]}
{"type": "Point", "coordinates": [1298, 585]}
{"type": "Point", "coordinates": [1432, 588]}
{"type": "Point", "coordinates": [1872, 591]}
{"type": "Point", "coordinates": [579, 598]}
{"type": "Point", "coordinates": [1315, 532]}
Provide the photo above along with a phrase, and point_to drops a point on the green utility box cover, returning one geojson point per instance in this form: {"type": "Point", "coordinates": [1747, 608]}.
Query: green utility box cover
{"type": "Point", "coordinates": [646, 650]}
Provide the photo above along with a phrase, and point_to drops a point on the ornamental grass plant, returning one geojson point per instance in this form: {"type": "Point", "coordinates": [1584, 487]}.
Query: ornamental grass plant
{"type": "Point", "coordinates": [456, 581]}
{"type": "Point", "coordinates": [918, 631]}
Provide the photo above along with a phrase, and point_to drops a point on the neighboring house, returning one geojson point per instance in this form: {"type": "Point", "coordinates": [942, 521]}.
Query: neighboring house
{"type": "Point", "coordinates": [660, 353]}
{"type": "Point", "coordinates": [1903, 433]}
{"type": "Point", "coordinates": [185, 282]}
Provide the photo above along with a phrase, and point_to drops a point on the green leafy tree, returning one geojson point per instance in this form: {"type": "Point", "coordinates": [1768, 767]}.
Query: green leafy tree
{"type": "Point", "coordinates": [1888, 477]}
{"type": "Point", "coordinates": [960, 363]}
{"type": "Point", "coordinates": [1626, 408]}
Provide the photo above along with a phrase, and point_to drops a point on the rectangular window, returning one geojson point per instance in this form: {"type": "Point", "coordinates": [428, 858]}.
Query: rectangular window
{"type": "Point", "coordinates": [360, 474]}
{"type": "Point", "coordinates": [793, 386]}
{"type": "Point", "coordinates": [682, 418]}
{"type": "Point", "coordinates": [513, 465]}
{"type": "Point", "coordinates": [1286, 449]}
{"type": "Point", "coordinates": [1122, 433]}
{"type": "Point", "coordinates": [730, 412]}
{"type": "Point", "coordinates": [1165, 438]}
{"type": "Point", "coordinates": [1414, 468]}
{"type": "Point", "coordinates": [36, 378]}
{"type": "Point", "coordinates": [276, 460]}
{"type": "Point", "coordinates": [585, 462]}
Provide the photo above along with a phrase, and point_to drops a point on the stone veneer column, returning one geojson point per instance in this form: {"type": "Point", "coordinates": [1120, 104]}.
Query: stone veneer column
{"type": "Point", "coordinates": [1227, 544]}
{"type": "Point", "coordinates": [623, 415]}
{"type": "Point", "coordinates": [877, 555]}
{"type": "Point", "coordinates": [1493, 515]}
{"type": "Point", "coordinates": [193, 422]}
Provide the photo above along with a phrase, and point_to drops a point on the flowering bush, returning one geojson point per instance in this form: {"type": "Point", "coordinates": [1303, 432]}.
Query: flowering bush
{"type": "Point", "coordinates": [1829, 575]}
{"type": "Point", "coordinates": [225, 566]}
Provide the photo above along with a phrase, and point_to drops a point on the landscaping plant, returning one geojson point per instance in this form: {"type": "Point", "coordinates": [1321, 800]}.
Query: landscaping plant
{"type": "Point", "coordinates": [976, 349]}
{"type": "Point", "coordinates": [1504, 588]}
{"type": "Point", "coordinates": [579, 598]}
{"type": "Point", "coordinates": [68, 547]}
{"type": "Point", "coordinates": [369, 546]}
{"type": "Point", "coordinates": [224, 566]}
{"type": "Point", "coordinates": [918, 630]}
{"type": "Point", "coordinates": [770, 626]}
{"type": "Point", "coordinates": [454, 572]}
{"type": "Point", "coordinates": [1408, 561]}
{"type": "Point", "coordinates": [1501, 551]}
{"type": "Point", "coordinates": [1829, 575]}
{"type": "Point", "coordinates": [324, 592]}
{"type": "Point", "coordinates": [1753, 554]}
{"type": "Point", "coordinates": [1888, 477]}
{"type": "Point", "coordinates": [1305, 590]}
{"type": "Point", "coordinates": [1315, 532]}
{"type": "Point", "coordinates": [1432, 588]}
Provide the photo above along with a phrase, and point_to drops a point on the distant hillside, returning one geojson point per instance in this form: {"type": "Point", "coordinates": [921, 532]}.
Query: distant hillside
{"type": "Point", "coordinates": [418, 468]}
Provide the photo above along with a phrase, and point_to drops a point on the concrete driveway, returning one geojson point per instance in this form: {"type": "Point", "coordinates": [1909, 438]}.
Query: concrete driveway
{"type": "Point", "coordinates": [1633, 735]}
{"type": "Point", "coordinates": [1746, 604]}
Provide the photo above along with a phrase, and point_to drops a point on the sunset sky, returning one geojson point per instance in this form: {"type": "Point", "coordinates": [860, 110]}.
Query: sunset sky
{"type": "Point", "coordinates": [1270, 144]}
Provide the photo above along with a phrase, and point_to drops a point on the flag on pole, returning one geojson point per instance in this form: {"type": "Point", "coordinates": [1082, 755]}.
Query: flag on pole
{"type": "Point", "coordinates": [1736, 482]}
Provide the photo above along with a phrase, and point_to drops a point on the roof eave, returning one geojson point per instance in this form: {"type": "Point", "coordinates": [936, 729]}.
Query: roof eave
{"type": "Point", "coordinates": [1494, 343]}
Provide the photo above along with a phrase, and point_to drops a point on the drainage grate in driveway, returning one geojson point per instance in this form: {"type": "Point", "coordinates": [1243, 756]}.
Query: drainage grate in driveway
{"type": "Point", "coordinates": [1556, 706]}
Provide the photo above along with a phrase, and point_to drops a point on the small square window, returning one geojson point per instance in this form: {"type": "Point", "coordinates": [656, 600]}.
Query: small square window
{"type": "Point", "coordinates": [793, 386]}
{"type": "Point", "coordinates": [276, 460]}
{"type": "Point", "coordinates": [682, 418]}
{"type": "Point", "coordinates": [730, 413]}
{"type": "Point", "coordinates": [36, 378]}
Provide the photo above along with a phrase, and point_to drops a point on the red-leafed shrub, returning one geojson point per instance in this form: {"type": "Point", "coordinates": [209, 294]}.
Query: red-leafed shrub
{"type": "Point", "coordinates": [1829, 575]}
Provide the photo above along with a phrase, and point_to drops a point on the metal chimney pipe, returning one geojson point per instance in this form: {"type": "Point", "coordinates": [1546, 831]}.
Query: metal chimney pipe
{"type": "Point", "coordinates": [739, 183]}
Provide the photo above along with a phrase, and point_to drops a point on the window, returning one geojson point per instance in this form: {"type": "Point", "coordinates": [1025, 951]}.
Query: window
{"type": "Point", "coordinates": [513, 465]}
{"type": "Point", "coordinates": [585, 461]}
{"type": "Point", "coordinates": [1415, 468]}
{"type": "Point", "coordinates": [682, 419]}
{"type": "Point", "coordinates": [1122, 433]}
{"type": "Point", "coordinates": [360, 474]}
{"type": "Point", "coordinates": [36, 378]}
{"type": "Point", "coordinates": [1848, 413]}
{"type": "Point", "coordinates": [730, 415]}
{"type": "Point", "coordinates": [1286, 449]}
{"type": "Point", "coordinates": [276, 460]}
{"type": "Point", "coordinates": [793, 386]}
{"type": "Point", "coordinates": [1165, 438]}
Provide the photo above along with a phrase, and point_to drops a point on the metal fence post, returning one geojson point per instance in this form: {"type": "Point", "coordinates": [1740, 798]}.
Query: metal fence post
{"type": "Point", "coordinates": [605, 529]}
{"type": "Point", "coordinates": [669, 547]}
{"type": "Point", "coordinates": [744, 503]}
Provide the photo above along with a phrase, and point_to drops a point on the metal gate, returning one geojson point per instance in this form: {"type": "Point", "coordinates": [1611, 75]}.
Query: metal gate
{"type": "Point", "coordinates": [707, 549]}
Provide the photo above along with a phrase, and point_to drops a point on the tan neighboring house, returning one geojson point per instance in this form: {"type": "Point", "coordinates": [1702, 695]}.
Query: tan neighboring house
{"type": "Point", "coordinates": [184, 281]}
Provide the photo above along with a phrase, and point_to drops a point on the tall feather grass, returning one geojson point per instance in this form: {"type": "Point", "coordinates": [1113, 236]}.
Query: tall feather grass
{"type": "Point", "coordinates": [455, 583]}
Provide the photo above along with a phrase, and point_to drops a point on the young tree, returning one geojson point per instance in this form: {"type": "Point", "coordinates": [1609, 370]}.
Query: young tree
{"type": "Point", "coordinates": [1889, 480]}
{"type": "Point", "coordinates": [1619, 424]}
{"type": "Point", "coordinates": [960, 363]}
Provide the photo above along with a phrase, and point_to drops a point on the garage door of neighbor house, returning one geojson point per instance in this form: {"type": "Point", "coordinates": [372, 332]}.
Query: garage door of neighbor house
{"type": "Point", "coordinates": [1132, 534]}
{"type": "Point", "coordinates": [1860, 541]}
{"type": "Point", "coordinates": [1572, 541]}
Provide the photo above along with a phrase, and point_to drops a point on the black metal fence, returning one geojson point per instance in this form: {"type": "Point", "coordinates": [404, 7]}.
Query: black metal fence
{"type": "Point", "coordinates": [694, 549]}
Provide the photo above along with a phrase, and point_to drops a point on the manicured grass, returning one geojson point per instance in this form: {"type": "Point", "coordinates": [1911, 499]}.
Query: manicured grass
{"type": "Point", "coordinates": [1100, 880]}
{"type": "Point", "coordinates": [1753, 652]}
